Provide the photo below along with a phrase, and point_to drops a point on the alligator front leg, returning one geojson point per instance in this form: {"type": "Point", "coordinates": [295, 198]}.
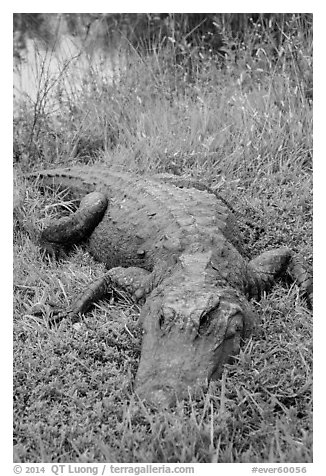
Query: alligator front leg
{"type": "Point", "coordinates": [74, 229]}
{"type": "Point", "coordinates": [135, 281]}
{"type": "Point", "coordinates": [281, 262]}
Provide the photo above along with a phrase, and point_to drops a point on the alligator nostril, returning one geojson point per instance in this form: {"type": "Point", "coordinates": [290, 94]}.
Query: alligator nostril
{"type": "Point", "coordinates": [160, 398]}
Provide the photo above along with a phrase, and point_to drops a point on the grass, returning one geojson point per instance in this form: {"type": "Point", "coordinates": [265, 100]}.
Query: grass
{"type": "Point", "coordinates": [246, 130]}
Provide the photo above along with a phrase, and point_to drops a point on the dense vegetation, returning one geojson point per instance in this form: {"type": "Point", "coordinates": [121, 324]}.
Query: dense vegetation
{"type": "Point", "coordinates": [230, 104]}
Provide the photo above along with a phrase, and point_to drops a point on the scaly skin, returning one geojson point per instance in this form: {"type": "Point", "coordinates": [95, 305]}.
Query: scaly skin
{"type": "Point", "coordinates": [181, 254]}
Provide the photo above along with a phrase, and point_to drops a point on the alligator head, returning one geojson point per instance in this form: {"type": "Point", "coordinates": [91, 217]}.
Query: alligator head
{"type": "Point", "coordinates": [191, 328]}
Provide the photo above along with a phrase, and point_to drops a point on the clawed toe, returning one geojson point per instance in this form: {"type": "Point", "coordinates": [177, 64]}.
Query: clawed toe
{"type": "Point", "coordinates": [53, 314]}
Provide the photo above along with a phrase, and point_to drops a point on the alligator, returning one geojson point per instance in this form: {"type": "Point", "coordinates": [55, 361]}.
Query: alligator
{"type": "Point", "coordinates": [175, 246]}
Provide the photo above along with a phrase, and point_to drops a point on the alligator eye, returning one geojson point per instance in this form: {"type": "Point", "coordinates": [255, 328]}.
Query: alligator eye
{"type": "Point", "coordinates": [234, 328]}
{"type": "Point", "coordinates": [205, 321]}
{"type": "Point", "coordinates": [230, 333]}
{"type": "Point", "coordinates": [161, 320]}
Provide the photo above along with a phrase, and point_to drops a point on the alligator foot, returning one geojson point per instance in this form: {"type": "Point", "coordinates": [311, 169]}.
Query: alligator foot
{"type": "Point", "coordinates": [48, 312]}
{"type": "Point", "coordinates": [134, 281]}
{"type": "Point", "coordinates": [282, 262]}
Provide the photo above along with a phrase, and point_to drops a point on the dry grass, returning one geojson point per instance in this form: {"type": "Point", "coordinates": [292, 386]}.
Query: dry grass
{"type": "Point", "coordinates": [246, 132]}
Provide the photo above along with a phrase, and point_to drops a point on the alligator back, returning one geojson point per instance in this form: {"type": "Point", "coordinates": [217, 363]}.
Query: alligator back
{"type": "Point", "coordinates": [149, 221]}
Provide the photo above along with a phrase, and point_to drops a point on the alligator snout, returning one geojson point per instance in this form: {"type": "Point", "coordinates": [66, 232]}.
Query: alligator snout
{"type": "Point", "coordinates": [185, 347]}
